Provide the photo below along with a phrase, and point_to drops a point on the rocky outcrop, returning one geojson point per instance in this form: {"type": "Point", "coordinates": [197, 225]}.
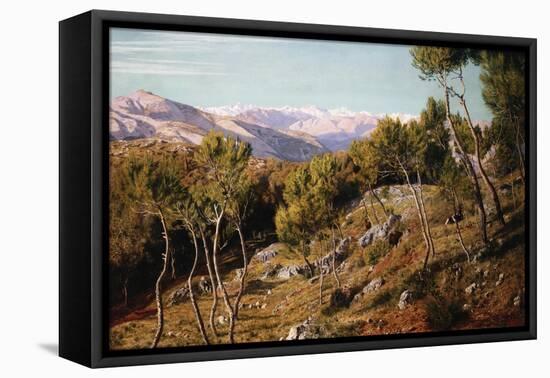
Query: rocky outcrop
{"type": "Point", "coordinates": [205, 286]}
{"type": "Point", "coordinates": [303, 331]}
{"type": "Point", "coordinates": [405, 299]}
{"type": "Point", "coordinates": [178, 296]}
{"type": "Point", "coordinates": [289, 271]}
{"type": "Point", "coordinates": [379, 231]}
{"type": "Point", "coordinates": [266, 254]}
{"type": "Point", "coordinates": [341, 252]}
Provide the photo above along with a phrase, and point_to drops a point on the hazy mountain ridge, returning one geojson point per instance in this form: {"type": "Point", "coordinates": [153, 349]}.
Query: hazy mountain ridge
{"type": "Point", "coordinates": [334, 128]}
{"type": "Point", "coordinates": [145, 115]}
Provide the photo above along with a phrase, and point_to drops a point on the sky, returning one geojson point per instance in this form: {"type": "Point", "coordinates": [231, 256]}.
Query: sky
{"type": "Point", "coordinates": [215, 70]}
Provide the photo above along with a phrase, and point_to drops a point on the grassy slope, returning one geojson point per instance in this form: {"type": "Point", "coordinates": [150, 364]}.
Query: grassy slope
{"type": "Point", "coordinates": [293, 301]}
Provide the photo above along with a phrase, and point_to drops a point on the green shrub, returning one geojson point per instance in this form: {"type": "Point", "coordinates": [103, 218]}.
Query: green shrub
{"type": "Point", "coordinates": [377, 250]}
{"type": "Point", "coordinates": [443, 313]}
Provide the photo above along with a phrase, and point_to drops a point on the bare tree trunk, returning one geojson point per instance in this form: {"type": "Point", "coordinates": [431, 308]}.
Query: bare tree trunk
{"type": "Point", "coordinates": [492, 190]}
{"type": "Point", "coordinates": [243, 275]}
{"type": "Point", "coordinates": [308, 264]}
{"type": "Point", "coordinates": [125, 290]}
{"type": "Point", "coordinates": [173, 264]}
{"type": "Point", "coordinates": [221, 285]}
{"type": "Point", "coordinates": [158, 295]}
{"type": "Point", "coordinates": [374, 210]}
{"type": "Point", "coordinates": [196, 309]}
{"type": "Point", "coordinates": [368, 221]}
{"type": "Point", "coordinates": [425, 214]}
{"type": "Point", "coordinates": [470, 172]}
{"type": "Point", "coordinates": [373, 192]}
{"type": "Point", "coordinates": [321, 274]}
{"type": "Point", "coordinates": [420, 216]}
{"type": "Point", "coordinates": [457, 226]}
{"type": "Point", "coordinates": [334, 259]}
{"type": "Point", "coordinates": [213, 283]}
{"type": "Point", "coordinates": [519, 151]}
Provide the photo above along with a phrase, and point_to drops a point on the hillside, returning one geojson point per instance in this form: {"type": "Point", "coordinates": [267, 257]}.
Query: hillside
{"type": "Point", "coordinates": [383, 288]}
{"type": "Point", "coordinates": [146, 115]}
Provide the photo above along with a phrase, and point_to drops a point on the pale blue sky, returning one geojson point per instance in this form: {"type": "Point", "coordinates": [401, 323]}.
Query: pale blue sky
{"type": "Point", "coordinates": [214, 70]}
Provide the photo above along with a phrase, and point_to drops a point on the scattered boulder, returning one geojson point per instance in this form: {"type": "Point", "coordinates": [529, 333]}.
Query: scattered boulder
{"type": "Point", "coordinates": [305, 330]}
{"type": "Point", "coordinates": [379, 231]}
{"type": "Point", "coordinates": [470, 289]}
{"type": "Point", "coordinates": [221, 320]}
{"type": "Point", "coordinates": [289, 271]}
{"type": "Point", "coordinates": [266, 254]}
{"type": "Point", "coordinates": [405, 299]}
{"type": "Point", "coordinates": [373, 285]}
{"type": "Point", "coordinates": [517, 301]}
{"type": "Point", "coordinates": [500, 279]}
{"type": "Point", "coordinates": [178, 296]}
{"type": "Point", "coordinates": [205, 286]}
{"type": "Point", "coordinates": [238, 274]}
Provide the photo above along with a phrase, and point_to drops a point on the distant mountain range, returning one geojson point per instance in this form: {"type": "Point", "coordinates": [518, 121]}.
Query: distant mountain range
{"type": "Point", "coordinates": [288, 133]}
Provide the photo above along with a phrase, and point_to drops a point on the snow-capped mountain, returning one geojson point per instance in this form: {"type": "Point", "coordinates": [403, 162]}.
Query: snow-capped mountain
{"type": "Point", "coordinates": [145, 115]}
{"type": "Point", "coordinates": [335, 128]}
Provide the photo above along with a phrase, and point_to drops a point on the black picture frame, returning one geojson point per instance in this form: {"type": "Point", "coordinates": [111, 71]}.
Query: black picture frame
{"type": "Point", "coordinates": [83, 167]}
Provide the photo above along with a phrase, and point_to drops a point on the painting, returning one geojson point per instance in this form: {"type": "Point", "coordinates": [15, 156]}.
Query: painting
{"type": "Point", "coordinates": [271, 189]}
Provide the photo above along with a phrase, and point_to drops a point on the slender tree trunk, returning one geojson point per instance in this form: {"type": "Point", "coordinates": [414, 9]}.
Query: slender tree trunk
{"type": "Point", "coordinates": [425, 214]}
{"type": "Point", "coordinates": [321, 274]}
{"type": "Point", "coordinates": [492, 190]}
{"type": "Point", "coordinates": [173, 264]}
{"type": "Point", "coordinates": [334, 259]}
{"type": "Point", "coordinates": [368, 222]}
{"type": "Point", "coordinates": [373, 192]}
{"type": "Point", "coordinates": [125, 290]}
{"type": "Point", "coordinates": [420, 216]}
{"type": "Point", "coordinates": [470, 172]}
{"type": "Point", "coordinates": [374, 210]}
{"type": "Point", "coordinates": [221, 285]}
{"type": "Point", "coordinates": [519, 151]}
{"type": "Point", "coordinates": [158, 294]}
{"type": "Point", "coordinates": [243, 275]}
{"type": "Point", "coordinates": [213, 283]}
{"type": "Point", "coordinates": [457, 226]}
{"type": "Point", "coordinates": [308, 264]}
{"type": "Point", "coordinates": [196, 309]}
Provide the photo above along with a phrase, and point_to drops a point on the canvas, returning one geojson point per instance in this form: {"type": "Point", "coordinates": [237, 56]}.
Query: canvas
{"type": "Point", "coordinates": [266, 190]}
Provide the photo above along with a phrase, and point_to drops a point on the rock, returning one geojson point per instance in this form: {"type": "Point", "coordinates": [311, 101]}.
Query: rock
{"type": "Point", "coordinates": [269, 292]}
{"type": "Point", "coordinates": [306, 330]}
{"type": "Point", "coordinates": [221, 320]}
{"type": "Point", "coordinates": [264, 306]}
{"type": "Point", "coordinates": [289, 271]}
{"type": "Point", "coordinates": [405, 299]}
{"type": "Point", "coordinates": [205, 286]}
{"type": "Point", "coordinates": [374, 285]}
{"type": "Point", "coordinates": [466, 307]}
{"type": "Point", "coordinates": [517, 301]}
{"type": "Point", "coordinates": [238, 274]}
{"type": "Point", "coordinates": [500, 279]}
{"type": "Point", "coordinates": [266, 254]}
{"type": "Point", "coordinates": [271, 271]}
{"type": "Point", "coordinates": [341, 297]}
{"type": "Point", "coordinates": [471, 288]}
{"type": "Point", "coordinates": [257, 304]}
{"type": "Point", "coordinates": [178, 296]}
{"type": "Point", "coordinates": [379, 231]}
